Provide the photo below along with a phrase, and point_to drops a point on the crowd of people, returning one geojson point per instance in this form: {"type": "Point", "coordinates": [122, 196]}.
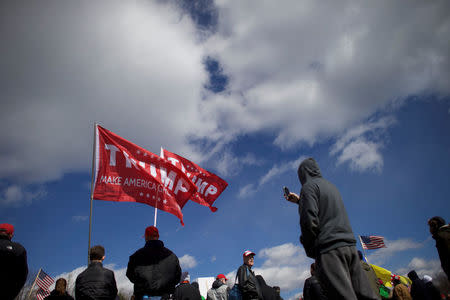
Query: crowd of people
{"type": "Point", "coordinates": [338, 271]}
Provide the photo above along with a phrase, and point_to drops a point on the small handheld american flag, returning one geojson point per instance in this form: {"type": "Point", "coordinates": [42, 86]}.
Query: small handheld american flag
{"type": "Point", "coordinates": [372, 242]}
{"type": "Point", "coordinates": [44, 281]}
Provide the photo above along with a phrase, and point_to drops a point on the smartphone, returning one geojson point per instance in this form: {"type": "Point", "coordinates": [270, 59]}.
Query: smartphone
{"type": "Point", "coordinates": [286, 191]}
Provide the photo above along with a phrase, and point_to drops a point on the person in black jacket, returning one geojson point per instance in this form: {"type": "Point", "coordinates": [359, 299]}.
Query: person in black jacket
{"type": "Point", "coordinates": [60, 292]}
{"type": "Point", "coordinates": [312, 289]}
{"type": "Point", "coordinates": [268, 292]}
{"type": "Point", "coordinates": [247, 282]}
{"type": "Point", "coordinates": [185, 290]}
{"type": "Point", "coordinates": [440, 231]}
{"type": "Point", "coordinates": [328, 237]}
{"type": "Point", "coordinates": [432, 291]}
{"type": "Point", "coordinates": [96, 282]}
{"type": "Point", "coordinates": [154, 269]}
{"type": "Point", "coordinates": [418, 288]}
{"type": "Point", "coordinates": [13, 262]}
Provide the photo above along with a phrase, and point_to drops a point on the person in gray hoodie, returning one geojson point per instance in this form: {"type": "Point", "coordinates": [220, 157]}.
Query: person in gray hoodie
{"type": "Point", "coordinates": [328, 237]}
{"type": "Point", "coordinates": [219, 290]}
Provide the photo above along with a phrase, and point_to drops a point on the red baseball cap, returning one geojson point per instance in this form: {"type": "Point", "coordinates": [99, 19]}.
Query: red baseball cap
{"type": "Point", "coordinates": [247, 253]}
{"type": "Point", "coordinates": [151, 231]}
{"type": "Point", "coordinates": [221, 276]}
{"type": "Point", "coordinates": [7, 228]}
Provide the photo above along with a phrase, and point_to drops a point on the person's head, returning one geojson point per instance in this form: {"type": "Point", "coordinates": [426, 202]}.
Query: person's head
{"type": "Point", "coordinates": [308, 168]}
{"type": "Point", "coordinates": [97, 253]}
{"type": "Point", "coordinates": [7, 230]}
{"type": "Point", "coordinates": [313, 269]}
{"type": "Point", "coordinates": [221, 278]}
{"type": "Point", "coordinates": [277, 290]}
{"type": "Point", "coordinates": [195, 284]}
{"type": "Point", "coordinates": [151, 233]}
{"type": "Point", "coordinates": [185, 277]}
{"type": "Point", "coordinates": [413, 275]}
{"type": "Point", "coordinates": [396, 280]}
{"type": "Point", "coordinates": [248, 257]}
{"type": "Point", "coordinates": [60, 286]}
{"type": "Point", "coordinates": [435, 223]}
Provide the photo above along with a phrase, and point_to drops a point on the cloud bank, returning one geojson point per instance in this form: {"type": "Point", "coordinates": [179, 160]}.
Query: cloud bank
{"type": "Point", "coordinates": [139, 69]}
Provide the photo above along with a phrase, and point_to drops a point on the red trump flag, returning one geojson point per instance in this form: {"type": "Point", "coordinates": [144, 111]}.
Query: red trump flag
{"type": "Point", "coordinates": [125, 172]}
{"type": "Point", "coordinates": [209, 185]}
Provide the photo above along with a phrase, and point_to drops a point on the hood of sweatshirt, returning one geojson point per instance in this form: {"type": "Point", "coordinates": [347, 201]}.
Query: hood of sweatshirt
{"type": "Point", "coordinates": [308, 169]}
{"type": "Point", "coordinates": [217, 284]}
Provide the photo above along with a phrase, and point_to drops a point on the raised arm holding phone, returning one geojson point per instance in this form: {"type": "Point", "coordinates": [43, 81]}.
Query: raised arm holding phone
{"type": "Point", "coordinates": [327, 236]}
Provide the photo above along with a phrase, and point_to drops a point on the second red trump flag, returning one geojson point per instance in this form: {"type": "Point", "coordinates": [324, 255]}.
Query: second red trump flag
{"type": "Point", "coordinates": [209, 185]}
{"type": "Point", "coordinates": [127, 172]}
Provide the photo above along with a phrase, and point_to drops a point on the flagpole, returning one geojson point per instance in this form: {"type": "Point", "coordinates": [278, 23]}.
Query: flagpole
{"type": "Point", "coordinates": [156, 211]}
{"type": "Point", "coordinates": [157, 191]}
{"type": "Point", "coordinates": [364, 252]}
{"type": "Point", "coordinates": [32, 286]}
{"type": "Point", "coordinates": [92, 188]}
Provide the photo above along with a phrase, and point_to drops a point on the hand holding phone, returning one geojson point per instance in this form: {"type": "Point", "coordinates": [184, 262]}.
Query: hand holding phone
{"type": "Point", "coordinates": [291, 197]}
{"type": "Point", "coordinates": [286, 191]}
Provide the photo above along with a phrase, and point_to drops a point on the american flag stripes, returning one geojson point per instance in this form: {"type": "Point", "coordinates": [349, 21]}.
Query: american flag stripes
{"type": "Point", "coordinates": [372, 242]}
{"type": "Point", "coordinates": [44, 281]}
{"type": "Point", "coordinates": [41, 294]}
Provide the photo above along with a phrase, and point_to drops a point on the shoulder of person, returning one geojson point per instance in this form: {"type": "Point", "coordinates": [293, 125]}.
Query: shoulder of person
{"type": "Point", "coordinates": [19, 247]}
{"type": "Point", "coordinates": [310, 186]}
{"type": "Point", "coordinates": [13, 246]}
{"type": "Point", "coordinates": [242, 267]}
{"type": "Point", "coordinates": [111, 272]}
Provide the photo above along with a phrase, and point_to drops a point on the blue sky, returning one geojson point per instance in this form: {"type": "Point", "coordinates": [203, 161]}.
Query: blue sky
{"type": "Point", "coordinates": [246, 92]}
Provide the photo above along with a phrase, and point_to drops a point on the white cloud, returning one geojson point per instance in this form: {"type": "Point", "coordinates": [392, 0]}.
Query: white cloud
{"type": "Point", "coordinates": [285, 266]}
{"type": "Point", "coordinates": [230, 164]}
{"type": "Point", "coordinates": [139, 61]}
{"type": "Point", "coordinates": [422, 267]}
{"type": "Point", "coordinates": [213, 258]}
{"type": "Point", "coordinates": [285, 254]}
{"type": "Point", "coordinates": [79, 218]}
{"type": "Point", "coordinates": [363, 155]}
{"type": "Point", "coordinates": [392, 247]}
{"type": "Point", "coordinates": [247, 190]}
{"type": "Point", "coordinates": [275, 171]}
{"type": "Point", "coordinates": [327, 78]}
{"type": "Point", "coordinates": [360, 146]}
{"type": "Point", "coordinates": [187, 262]}
{"type": "Point", "coordinates": [15, 195]}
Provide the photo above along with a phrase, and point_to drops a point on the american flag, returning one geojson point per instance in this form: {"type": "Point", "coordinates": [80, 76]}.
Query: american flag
{"type": "Point", "coordinates": [372, 242]}
{"type": "Point", "coordinates": [44, 281]}
{"type": "Point", "coordinates": [41, 294]}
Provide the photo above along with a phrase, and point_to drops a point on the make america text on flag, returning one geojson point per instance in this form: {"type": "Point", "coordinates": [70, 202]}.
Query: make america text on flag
{"type": "Point", "coordinates": [372, 242]}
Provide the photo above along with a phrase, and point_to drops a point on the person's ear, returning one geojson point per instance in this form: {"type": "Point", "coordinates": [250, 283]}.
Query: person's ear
{"type": "Point", "coordinates": [103, 258]}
